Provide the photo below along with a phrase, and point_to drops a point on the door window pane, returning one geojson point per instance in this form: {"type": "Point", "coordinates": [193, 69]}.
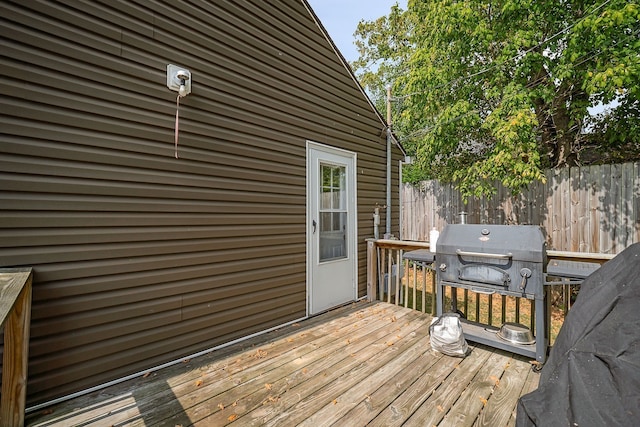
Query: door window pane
{"type": "Point", "coordinates": [333, 213]}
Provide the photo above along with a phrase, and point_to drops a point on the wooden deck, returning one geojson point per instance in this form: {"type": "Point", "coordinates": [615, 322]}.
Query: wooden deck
{"type": "Point", "coordinates": [362, 364]}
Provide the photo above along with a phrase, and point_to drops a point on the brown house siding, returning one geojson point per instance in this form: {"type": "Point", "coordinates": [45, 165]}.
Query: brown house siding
{"type": "Point", "coordinates": [140, 258]}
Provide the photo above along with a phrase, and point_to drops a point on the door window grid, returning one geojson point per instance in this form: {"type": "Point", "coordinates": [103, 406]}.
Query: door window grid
{"type": "Point", "coordinates": [333, 213]}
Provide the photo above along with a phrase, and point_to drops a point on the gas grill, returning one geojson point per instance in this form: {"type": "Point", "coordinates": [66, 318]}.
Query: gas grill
{"type": "Point", "coordinates": [495, 259]}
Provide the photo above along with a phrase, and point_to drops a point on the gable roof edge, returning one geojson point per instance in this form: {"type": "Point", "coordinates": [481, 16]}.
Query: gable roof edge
{"type": "Point", "coordinates": [347, 67]}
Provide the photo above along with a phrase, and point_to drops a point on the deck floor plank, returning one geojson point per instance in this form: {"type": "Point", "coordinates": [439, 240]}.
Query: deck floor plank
{"type": "Point", "coordinates": [230, 392]}
{"type": "Point", "coordinates": [373, 404]}
{"type": "Point", "coordinates": [361, 364]}
{"type": "Point", "coordinates": [416, 393]}
{"type": "Point", "coordinates": [329, 386]}
{"type": "Point", "coordinates": [312, 377]}
{"type": "Point", "coordinates": [530, 384]}
{"type": "Point", "coordinates": [149, 388]}
{"type": "Point", "coordinates": [316, 377]}
{"type": "Point", "coordinates": [83, 409]}
{"type": "Point", "coordinates": [335, 347]}
{"type": "Point", "coordinates": [360, 388]}
{"type": "Point", "coordinates": [476, 395]}
{"type": "Point", "coordinates": [435, 408]}
{"type": "Point", "coordinates": [505, 395]}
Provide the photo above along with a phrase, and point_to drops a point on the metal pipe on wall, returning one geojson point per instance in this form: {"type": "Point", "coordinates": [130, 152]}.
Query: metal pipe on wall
{"type": "Point", "coordinates": [389, 137]}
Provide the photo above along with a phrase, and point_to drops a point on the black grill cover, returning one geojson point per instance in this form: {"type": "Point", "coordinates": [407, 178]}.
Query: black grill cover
{"type": "Point", "coordinates": [592, 376]}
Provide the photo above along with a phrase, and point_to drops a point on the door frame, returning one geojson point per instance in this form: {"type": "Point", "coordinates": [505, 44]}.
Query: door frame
{"type": "Point", "coordinates": [352, 249]}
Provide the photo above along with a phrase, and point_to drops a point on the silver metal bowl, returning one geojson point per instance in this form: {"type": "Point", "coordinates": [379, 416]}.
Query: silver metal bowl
{"type": "Point", "coordinates": [516, 333]}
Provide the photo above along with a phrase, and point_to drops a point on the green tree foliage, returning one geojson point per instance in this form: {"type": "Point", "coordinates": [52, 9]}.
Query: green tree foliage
{"type": "Point", "coordinates": [487, 91]}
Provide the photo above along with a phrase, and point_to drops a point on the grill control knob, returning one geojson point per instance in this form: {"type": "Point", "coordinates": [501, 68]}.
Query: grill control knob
{"type": "Point", "coordinates": [443, 267]}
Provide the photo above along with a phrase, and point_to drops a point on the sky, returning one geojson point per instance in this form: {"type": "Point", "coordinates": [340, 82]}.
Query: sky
{"type": "Point", "coordinates": [340, 18]}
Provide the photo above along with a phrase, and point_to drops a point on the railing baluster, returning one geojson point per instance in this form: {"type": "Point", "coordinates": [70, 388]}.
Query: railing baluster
{"type": "Point", "coordinates": [532, 315]}
{"type": "Point", "coordinates": [490, 311]}
{"type": "Point", "coordinates": [390, 258]}
{"type": "Point", "coordinates": [381, 282]}
{"type": "Point", "coordinates": [466, 302]}
{"type": "Point", "coordinates": [415, 283]}
{"type": "Point", "coordinates": [398, 302]}
{"type": "Point", "coordinates": [424, 289]}
{"type": "Point", "coordinates": [433, 292]}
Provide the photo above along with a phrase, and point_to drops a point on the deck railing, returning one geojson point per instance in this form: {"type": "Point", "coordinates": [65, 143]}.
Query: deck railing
{"type": "Point", "coordinates": [392, 279]}
{"type": "Point", "coordinates": [15, 318]}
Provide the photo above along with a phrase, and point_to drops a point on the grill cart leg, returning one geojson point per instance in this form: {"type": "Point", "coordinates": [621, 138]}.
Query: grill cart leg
{"type": "Point", "coordinates": [541, 328]}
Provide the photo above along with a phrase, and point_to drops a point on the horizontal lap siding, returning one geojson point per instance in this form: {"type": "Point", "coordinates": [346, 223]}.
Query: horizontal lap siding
{"type": "Point", "coordinates": [141, 258]}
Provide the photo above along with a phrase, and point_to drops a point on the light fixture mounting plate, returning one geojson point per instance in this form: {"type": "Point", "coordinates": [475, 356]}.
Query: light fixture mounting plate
{"type": "Point", "coordinates": [176, 76]}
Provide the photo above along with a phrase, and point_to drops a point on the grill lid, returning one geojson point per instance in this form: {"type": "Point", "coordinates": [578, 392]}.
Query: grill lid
{"type": "Point", "coordinates": [518, 242]}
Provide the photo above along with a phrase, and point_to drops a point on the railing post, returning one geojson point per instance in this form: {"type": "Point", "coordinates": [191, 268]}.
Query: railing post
{"type": "Point", "coordinates": [372, 271]}
{"type": "Point", "coordinates": [389, 272]}
{"type": "Point", "coordinates": [15, 312]}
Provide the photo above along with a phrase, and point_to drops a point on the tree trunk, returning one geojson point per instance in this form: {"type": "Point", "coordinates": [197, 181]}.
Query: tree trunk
{"type": "Point", "coordinates": [564, 154]}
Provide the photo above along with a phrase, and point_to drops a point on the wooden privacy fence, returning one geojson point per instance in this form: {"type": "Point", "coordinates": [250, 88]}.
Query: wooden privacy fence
{"type": "Point", "coordinates": [582, 209]}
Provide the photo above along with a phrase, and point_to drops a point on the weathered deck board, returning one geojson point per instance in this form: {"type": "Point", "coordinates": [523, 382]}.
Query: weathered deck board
{"type": "Point", "coordinates": [328, 384]}
{"type": "Point", "coordinates": [473, 399]}
{"type": "Point", "coordinates": [373, 404]}
{"type": "Point", "coordinates": [370, 375]}
{"type": "Point", "coordinates": [505, 395]}
{"type": "Point", "coordinates": [305, 376]}
{"type": "Point", "coordinates": [434, 409]}
{"type": "Point", "coordinates": [530, 384]}
{"type": "Point", "coordinates": [362, 364]}
{"type": "Point", "coordinates": [413, 396]}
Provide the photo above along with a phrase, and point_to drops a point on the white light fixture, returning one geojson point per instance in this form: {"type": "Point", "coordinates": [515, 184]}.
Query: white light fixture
{"type": "Point", "coordinates": [179, 79]}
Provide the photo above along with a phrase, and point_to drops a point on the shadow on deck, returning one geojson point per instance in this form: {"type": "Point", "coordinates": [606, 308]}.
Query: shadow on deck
{"type": "Point", "coordinates": [362, 364]}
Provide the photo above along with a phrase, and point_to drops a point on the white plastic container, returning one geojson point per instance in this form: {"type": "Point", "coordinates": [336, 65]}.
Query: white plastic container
{"type": "Point", "coordinates": [433, 238]}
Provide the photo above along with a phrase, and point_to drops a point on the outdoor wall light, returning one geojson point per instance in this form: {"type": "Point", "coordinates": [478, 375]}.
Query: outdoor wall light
{"type": "Point", "coordinates": [183, 76]}
{"type": "Point", "coordinates": [179, 80]}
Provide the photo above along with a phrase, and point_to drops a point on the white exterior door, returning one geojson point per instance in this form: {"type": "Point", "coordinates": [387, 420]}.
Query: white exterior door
{"type": "Point", "coordinates": [331, 227]}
